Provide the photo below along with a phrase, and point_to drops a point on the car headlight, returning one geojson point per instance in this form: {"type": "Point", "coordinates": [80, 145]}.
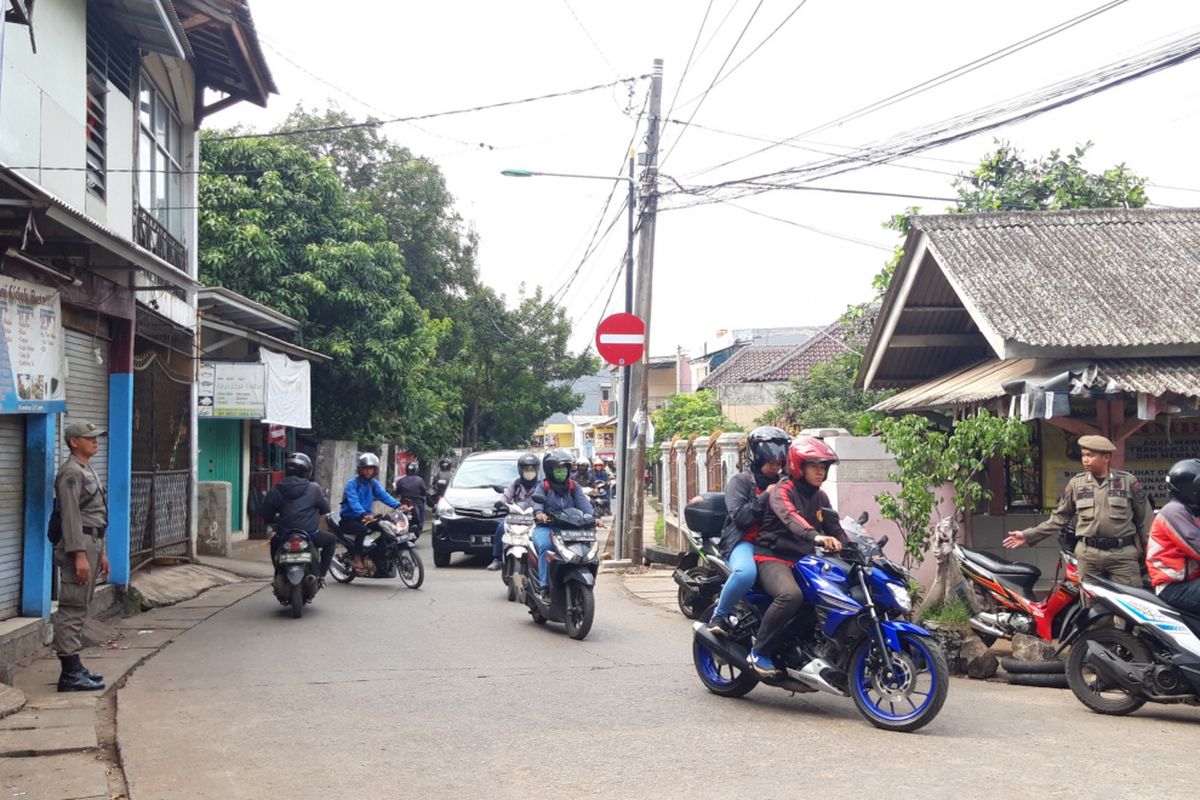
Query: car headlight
{"type": "Point", "coordinates": [444, 509]}
{"type": "Point", "coordinates": [901, 596]}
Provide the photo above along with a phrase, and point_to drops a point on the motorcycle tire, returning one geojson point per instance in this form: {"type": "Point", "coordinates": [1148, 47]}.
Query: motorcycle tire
{"type": "Point", "coordinates": [1085, 683]}
{"type": "Point", "coordinates": [1014, 667]}
{"type": "Point", "coordinates": [341, 567]}
{"type": "Point", "coordinates": [726, 680]}
{"type": "Point", "coordinates": [687, 599]}
{"type": "Point", "coordinates": [410, 568]}
{"type": "Point", "coordinates": [297, 601]}
{"type": "Point", "coordinates": [1042, 679]}
{"type": "Point", "coordinates": [920, 653]}
{"type": "Point", "coordinates": [580, 610]}
{"type": "Point", "coordinates": [512, 591]}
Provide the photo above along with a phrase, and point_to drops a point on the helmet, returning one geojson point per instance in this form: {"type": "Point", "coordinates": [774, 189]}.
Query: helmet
{"type": "Point", "coordinates": [557, 459]}
{"type": "Point", "coordinates": [444, 464]}
{"type": "Point", "coordinates": [298, 464]}
{"type": "Point", "coordinates": [410, 468]}
{"type": "Point", "coordinates": [527, 464]}
{"type": "Point", "coordinates": [1183, 482]}
{"type": "Point", "coordinates": [597, 463]}
{"type": "Point", "coordinates": [582, 462]}
{"type": "Point", "coordinates": [808, 450]}
{"type": "Point", "coordinates": [368, 460]}
{"type": "Point", "coordinates": [767, 443]}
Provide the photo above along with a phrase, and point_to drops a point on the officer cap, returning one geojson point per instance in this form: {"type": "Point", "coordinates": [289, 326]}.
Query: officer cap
{"type": "Point", "coordinates": [1097, 444]}
{"type": "Point", "coordinates": [83, 430]}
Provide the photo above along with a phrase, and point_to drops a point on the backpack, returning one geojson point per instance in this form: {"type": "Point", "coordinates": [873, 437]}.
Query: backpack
{"type": "Point", "coordinates": [54, 526]}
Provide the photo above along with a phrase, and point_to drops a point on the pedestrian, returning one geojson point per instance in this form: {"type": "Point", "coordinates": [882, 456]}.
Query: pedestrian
{"type": "Point", "coordinates": [1114, 517]}
{"type": "Point", "coordinates": [80, 553]}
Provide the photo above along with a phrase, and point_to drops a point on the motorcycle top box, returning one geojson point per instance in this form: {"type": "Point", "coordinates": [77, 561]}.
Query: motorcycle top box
{"type": "Point", "coordinates": [706, 516]}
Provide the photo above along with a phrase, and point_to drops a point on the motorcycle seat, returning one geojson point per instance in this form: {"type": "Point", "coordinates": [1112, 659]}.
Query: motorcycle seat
{"type": "Point", "coordinates": [1015, 571]}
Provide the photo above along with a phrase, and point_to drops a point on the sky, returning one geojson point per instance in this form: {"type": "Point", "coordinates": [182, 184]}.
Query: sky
{"type": "Point", "coordinates": [758, 70]}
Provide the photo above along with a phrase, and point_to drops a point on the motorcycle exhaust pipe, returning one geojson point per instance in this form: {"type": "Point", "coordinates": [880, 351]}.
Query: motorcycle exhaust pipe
{"type": "Point", "coordinates": [731, 652]}
{"type": "Point", "coordinates": [990, 630]}
{"type": "Point", "coordinates": [686, 581]}
{"type": "Point", "coordinates": [1128, 676]}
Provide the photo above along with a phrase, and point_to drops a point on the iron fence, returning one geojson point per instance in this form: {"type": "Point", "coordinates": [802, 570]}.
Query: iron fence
{"type": "Point", "coordinates": [158, 519]}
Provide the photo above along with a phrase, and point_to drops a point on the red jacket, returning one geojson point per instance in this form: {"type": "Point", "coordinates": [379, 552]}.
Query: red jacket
{"type": "Point", "coordinates": [793, 520]}
{"type": "Point", "coordinates": [1173, 554]}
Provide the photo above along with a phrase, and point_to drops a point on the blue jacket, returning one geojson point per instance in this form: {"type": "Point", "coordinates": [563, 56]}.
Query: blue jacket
{"type": "Point", "coordinates": [572, 496]}
{"type": "Point", "coordinates": [356, 501]}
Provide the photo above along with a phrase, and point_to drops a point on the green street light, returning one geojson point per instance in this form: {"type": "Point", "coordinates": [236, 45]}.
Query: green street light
{"type": "Point", "coordinates": [517, 173]}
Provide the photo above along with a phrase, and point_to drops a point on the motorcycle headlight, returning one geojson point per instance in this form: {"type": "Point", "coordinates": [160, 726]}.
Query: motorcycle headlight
{"type": "Point", "coordinates": [901, 596]}
{"type": "Point", "coordinates": [563, 550]}
{"type": "Point", "coordinates": [444, 509]}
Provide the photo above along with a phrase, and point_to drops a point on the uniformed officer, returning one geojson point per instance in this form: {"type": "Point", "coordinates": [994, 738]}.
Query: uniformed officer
{"type": "Point", "coordinates": [1114, 517]}
{"type": "Point", "coordinates": [80, 554]}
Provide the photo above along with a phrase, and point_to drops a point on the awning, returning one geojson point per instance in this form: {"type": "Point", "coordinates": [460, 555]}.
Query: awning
{"type": "Point", "coordinates": [235, 308]}
{"type": "Point", "coordinates": [279, 345]}
{"type": "Point", "coordinates": [974, 384]}
{"type": "Point", "coordinates": [152, 24]}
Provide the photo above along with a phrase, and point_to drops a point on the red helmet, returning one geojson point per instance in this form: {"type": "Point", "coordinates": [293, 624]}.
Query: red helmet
{"type": "Point", "coordinates": [806, 450]}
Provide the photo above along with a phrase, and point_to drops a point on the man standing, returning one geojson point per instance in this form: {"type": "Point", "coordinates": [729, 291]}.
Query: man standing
{"type": "Point", "coordinates": [80, 554]}
{"type": "Point", "coordinates": [1114, 517]}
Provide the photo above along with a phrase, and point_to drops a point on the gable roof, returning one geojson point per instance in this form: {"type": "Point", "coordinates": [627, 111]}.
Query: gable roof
{"type": "Point", "coordinates": [829, 342]}
{"type": "Point", "coordinates": [1037, 284]}
{"type": "Point", "coordinates": [743, 364]}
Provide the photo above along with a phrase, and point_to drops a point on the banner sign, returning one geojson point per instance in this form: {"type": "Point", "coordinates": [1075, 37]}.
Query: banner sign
{"type": "Point", "coordinates": [32, 363]}
{"type": "Point", "coordinates": [232, 390]}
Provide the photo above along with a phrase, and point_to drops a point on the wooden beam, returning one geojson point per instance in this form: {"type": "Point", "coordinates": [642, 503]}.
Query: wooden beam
{"type": "Point", "coordinates": [1072, 425]}
{"type": "Point", "coordinates": [938, 340]}
{"type": "Point", "coordinates": [1128, 428]}
{"type": "Point", "coordinates": [931, 309]}
{"type": "Point", "coordinates": [198, 21]}
{"type": "Point", "coordinates": [220, 105]}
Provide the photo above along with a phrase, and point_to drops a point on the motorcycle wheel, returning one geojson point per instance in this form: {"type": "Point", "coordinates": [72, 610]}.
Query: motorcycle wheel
{"type": "Point", "coordinates": [1086, 682]}
{"type": "Point", "coordinates": [720, 678]}
{"type": "Point", "coordinates": [581, 610]}
{"type": "Point", "coordinates": [412, 571]}
{"type": "Point", "coordinates": [341, 567]}
{"type": "Point", "coordinates": [687, 599]}
{"type": "Point", "coordinates": [297, 601]}
{"type": "Point", "coordinates": [913, 696]}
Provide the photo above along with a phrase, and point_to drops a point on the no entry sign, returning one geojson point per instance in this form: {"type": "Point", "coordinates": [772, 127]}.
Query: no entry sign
{"type": "Point", "coordinates": [621, 339]}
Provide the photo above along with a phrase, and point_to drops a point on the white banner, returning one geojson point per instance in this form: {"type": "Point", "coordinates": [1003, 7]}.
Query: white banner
{"type": "Point", "coordinates": [232, 390]}
{"type": "Point", "coordinates": [289, 390]}
{"type": "Point", "coordinates": [32, 362]}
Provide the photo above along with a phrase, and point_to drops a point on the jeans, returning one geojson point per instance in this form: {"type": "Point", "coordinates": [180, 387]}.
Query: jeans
{"type": "Point", "coordinates": [741, 561]}
{"type": "Point", "coordinates": [541, 541]}
{"type": "Point", "coordinates": [324, 543]}
{"type": "Point", "coordinates": [497, 544]}
{"type": "Point", "coordinates": [1184, 595]}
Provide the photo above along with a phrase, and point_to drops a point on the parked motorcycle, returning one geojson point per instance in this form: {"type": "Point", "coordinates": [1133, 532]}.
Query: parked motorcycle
{"type": "Point", "coordinates": [390, 553]}
{"type": "Point", "coordinates": [1130, 648]}
{"type": "Point", "coordinates": [851, 639]}
{"type": "Point", "coordinates": [573, 564]}
{"type": "Point", "coordinates": [1001, 593]}
{"type": "Point", "coordinates": [701, 571]}
{"type": "Point", "coordinates": [517, 540]}
{"type": "Point", "coordinates": [297, 571]}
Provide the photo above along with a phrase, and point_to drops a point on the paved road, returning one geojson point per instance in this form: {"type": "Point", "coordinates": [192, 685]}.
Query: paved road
{"type": "Point", "coordinates": [450, 691]}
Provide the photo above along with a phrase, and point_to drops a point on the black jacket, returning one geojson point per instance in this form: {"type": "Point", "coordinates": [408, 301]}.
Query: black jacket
{"type": "Point", "coordinates": [794, 519]}
{"type": "Point", "coordinates": [745, 504]}
{"type": "Point", "coordinates": [412, 487]}
{"type": "Point", "coordinates": [295, 504]}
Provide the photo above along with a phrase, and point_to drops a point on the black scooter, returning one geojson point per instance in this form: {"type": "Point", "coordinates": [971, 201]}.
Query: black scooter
{"type": "Point", "coordinates": [297, 571]}
{"type": "Point", "coordinates": [390, 554]}
{"type": "Point", "coordinates": [573, 564]}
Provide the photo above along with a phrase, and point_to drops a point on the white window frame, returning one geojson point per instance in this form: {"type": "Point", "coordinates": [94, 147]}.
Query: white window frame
{"type": "Point", "coordinates": [159, 131]}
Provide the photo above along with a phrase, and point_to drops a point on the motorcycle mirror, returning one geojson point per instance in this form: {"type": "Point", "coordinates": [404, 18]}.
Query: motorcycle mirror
{"type": "Point", "coordinates": [882, 541]}
{"type": "Point", "coordinates": [498, 488]}
{"type": "Point", "coordinates": [539, 498]}
{"type": "Point", "coordinates": [499, 504]}
{"type": "Point", "coordinates": [863, 517]}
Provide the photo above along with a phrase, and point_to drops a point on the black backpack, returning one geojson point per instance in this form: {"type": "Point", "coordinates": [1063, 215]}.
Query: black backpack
{"type": "Point", "coordinates": [54, 527]}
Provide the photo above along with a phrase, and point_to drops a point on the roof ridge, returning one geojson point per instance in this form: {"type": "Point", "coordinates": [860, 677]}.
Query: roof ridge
{"type": "Point", "coordinates": [799, 350]}
{"type": "Point", "coordinates": [727, 365]}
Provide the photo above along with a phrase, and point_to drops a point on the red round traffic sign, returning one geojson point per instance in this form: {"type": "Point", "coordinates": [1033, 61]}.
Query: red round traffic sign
{"type": "Point", "coordinates": [621, 339]}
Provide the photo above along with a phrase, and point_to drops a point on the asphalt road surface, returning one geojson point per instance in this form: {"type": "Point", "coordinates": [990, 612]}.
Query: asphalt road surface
{"type": "Point", "coordinates": [452, 692]}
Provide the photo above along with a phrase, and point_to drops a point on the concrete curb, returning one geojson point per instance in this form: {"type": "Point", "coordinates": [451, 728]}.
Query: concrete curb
{"type": "Point", "coordinates": [12, 700]}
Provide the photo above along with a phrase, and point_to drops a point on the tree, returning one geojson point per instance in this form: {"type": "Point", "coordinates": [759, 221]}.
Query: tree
{"type": "Point", "coordinates": [826, 398]}
{"type": "Point", "coordinates": [690, 414]}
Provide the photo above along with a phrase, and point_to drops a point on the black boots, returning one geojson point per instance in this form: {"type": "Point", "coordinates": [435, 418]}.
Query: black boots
{"type": "Point", "coordinates": [76, 678]}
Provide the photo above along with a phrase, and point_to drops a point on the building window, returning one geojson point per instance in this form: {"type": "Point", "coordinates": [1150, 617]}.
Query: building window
{"type": "Point", "coordinates": [97, 135]}
{"type": "Point", "coordinates": [109, 60]}
{"type": "Point", "coordinates": [604, 390]}
{"type": "Point", "coordinates": [160, 155]}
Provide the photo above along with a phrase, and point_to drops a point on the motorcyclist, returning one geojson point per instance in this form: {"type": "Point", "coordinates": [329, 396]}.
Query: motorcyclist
{"type": "Point", "coordinates": [793, 526]}
{"type": "Point", "coordinates": [296, 504]}
{"type": "Point", "coordinates": [561, 493]}
{"type": "Point", "coordinates": [583, 471]}
{"type": "Point", "coordinates": [355, 512]}
{"type": "Point", "coordinates": [519, 491]}
{"type": "Point", "coordinates": [441, 480]}
{"type": "Point", "coordinates": [411, 487]}
{"type": "Point", "coordinates": [1173, 554]}
{"type": "Point", "coordinates": [599, 473]}
{"type": "Point", "coordinates": [746, 497]}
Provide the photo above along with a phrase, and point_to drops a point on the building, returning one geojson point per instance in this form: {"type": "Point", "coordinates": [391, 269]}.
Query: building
{"type": "Point", "coordinates": [100, 104]}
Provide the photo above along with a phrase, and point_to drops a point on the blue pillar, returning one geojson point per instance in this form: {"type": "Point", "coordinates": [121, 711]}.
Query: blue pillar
{"type": "Point", "coordinates": [39, 501]}
{"type": "Point", "coordinates": [120, 449]}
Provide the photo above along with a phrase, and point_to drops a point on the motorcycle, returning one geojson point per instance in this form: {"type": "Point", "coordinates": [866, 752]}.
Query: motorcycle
{"type": "Point", "coordinates": [1130, 648]}
{"type": "Point", "coordinates": [410, 515]}
{"type": "Point", "coordinates": [702, 572]}
{"type": "Point", "coordinates": [1001, 594]}
{"type": "Point", "coordinates": [297, 571]}
{"type": "Point", "coordinates": [601, 496]}
{"type": "Point", "coordinates": [573, 564]}
{"type": "Point", "coordinates": [854, 631]}
{"type": "Point", "coordinates": [517, 540]}
{"type": "Point", "coordinates": [390, 553]}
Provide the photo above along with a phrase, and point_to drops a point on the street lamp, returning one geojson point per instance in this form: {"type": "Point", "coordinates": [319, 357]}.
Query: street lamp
{"type": "Point", "coordinates": [623, 411]}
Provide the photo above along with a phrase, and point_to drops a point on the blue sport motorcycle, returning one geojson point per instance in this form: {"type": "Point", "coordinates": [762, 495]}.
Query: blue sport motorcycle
{"type": "Point", "coordinates": [850, 639]}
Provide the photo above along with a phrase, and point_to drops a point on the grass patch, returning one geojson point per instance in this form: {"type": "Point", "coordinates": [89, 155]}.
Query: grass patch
{"type": "Point", "coordinates": [660, 530]}
{"type": "Point", "coordinates": [949, 611]}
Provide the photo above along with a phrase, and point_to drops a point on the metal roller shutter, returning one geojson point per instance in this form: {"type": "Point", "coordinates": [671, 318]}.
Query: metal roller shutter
{"type": "Point", "coordinates": [12, 511]}
{"type": "Point", "coordinates": [87, 393]}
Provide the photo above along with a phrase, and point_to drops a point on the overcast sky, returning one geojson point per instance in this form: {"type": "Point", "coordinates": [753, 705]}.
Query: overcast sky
{"type": "Point", "coordinates": [718, 266]}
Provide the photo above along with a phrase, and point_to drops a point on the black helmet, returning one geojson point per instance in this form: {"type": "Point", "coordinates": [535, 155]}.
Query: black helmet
{"type": "Point", "coordinates": [767, 443]}
{"type": "Point", "coordinates": [557, 459]}
{"type": "Point", "coordinates": [527, 462]}
{"type": "Point", "coordinates": [298, 464]}
{"type": "Point", "coordinates": [444, 464]}
{"type": "Point", "coordinates": [410, 468]}
{"type": "Point", "coordinates": [1183, 482]}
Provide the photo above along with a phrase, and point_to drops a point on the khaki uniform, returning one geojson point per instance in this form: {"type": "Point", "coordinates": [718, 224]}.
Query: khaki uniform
{"type": "Point", "coordinates": [83, 505]}
{"type": "Point", "coordinates": [1114, 517]}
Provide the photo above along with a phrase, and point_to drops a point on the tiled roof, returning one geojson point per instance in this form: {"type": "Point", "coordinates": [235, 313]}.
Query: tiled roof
{"type": "Point", "coordinates": [1096, 278]}
{"type": "Point", "coordinates": [745, 363]}
{"type": "Point", "coordinates": [796, 363]}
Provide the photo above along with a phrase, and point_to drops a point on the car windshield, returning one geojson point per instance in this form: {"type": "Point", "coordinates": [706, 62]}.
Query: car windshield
{"type": "Point", "coordinates": [484, 472]}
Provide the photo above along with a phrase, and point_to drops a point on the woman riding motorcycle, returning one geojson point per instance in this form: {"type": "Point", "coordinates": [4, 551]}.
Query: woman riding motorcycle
{"type": "Point", "coordinates": [519, 491]}
{"type": "Point", "coordinates": [561, 493]}
{"type": "Point", "coordinates": [793, 527]}
{"type": "Point", "coordinates": [1173, 555]}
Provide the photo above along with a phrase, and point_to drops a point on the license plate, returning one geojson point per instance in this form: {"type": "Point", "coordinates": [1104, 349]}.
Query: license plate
{"type": "Point", "coordinates": [481, 540]}
{"type": "Point", "coordinates": [295, 558]}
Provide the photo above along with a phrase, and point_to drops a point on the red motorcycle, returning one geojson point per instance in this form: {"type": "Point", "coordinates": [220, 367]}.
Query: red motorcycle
{"type": "Point", "coordinates": [1003, 599]}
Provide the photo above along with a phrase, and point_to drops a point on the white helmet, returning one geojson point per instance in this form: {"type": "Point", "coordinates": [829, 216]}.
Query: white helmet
{"type": "Point", "coordinates": [368, 460]}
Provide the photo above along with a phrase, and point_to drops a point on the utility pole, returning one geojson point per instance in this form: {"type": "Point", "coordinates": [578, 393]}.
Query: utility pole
{"type": "Point", "coordinates": [633, 486]}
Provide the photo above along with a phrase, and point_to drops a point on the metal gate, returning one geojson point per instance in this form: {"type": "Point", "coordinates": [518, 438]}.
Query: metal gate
{"type": "Point", "coordinates": [161, 481]}
{"type": "Point", "coordinates": [12, 511]}
{"type": "Point", "coordinates": [87, 393]}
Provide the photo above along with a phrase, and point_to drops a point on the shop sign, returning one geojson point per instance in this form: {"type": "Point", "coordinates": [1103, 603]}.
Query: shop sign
{"type": "Point", "coordinates": [32, 360]}
{"type": "Point", "coordinates": [232, 390]}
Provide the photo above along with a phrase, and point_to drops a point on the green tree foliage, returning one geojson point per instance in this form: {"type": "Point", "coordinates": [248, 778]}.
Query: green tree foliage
{"type": "Point", "coordinates": [688, 414]}
{"type": "Point", "coordinates": [931, 461]}
{"type": "Point", "coordinates": [827, 398]}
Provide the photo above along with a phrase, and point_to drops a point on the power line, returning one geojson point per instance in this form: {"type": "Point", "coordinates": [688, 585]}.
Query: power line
{"type": "Point", "coordinates": [812, 228]}
{"type": "Point", "coordinates": [433, 115]}
{"type": "Point", "coordinates": [683, 75]}
{"type": "Point", "coordinates": [588, 34]}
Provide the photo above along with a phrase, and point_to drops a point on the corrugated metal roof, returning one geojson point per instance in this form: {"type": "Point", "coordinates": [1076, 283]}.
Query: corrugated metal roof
{"type": "Point", "coordinates": [1154, 376]}
{"type": "Point", "coordinates": [1094, 278]}
{"type": "Point", "coordinates": [973, 384]}
{"type": "Point", "coordinates": [745, 363]}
